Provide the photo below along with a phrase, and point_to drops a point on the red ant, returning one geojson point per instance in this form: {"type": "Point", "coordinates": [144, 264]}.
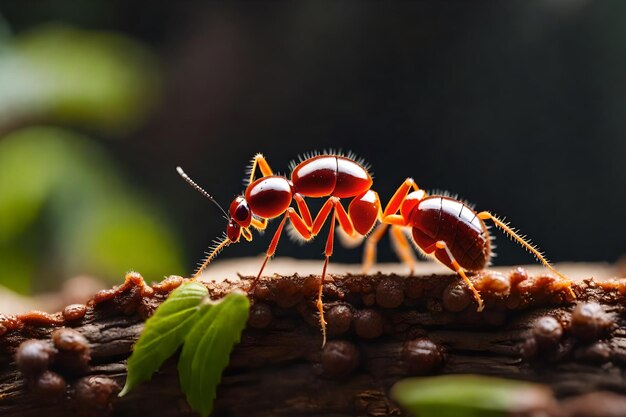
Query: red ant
{"type": "Point", "coordinates": [441, 226]}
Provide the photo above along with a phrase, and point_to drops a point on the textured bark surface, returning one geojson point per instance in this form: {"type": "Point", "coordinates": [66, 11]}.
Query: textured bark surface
{"type": "Point", "coordinates": [382, 327]}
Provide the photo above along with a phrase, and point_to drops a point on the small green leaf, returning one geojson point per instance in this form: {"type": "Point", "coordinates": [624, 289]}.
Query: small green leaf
{"type": "Point", "coordinates": [469, 396]}
{"type": "Point", "coordinates": [207, 348]}
{"type": "Point", "coordinates": [163, 333]}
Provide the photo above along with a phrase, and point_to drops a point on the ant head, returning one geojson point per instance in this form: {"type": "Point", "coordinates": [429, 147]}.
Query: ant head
{"type": "Point", "coordinates": [240, 212]}
{"type": "Point", "coordinates": [240, 217]}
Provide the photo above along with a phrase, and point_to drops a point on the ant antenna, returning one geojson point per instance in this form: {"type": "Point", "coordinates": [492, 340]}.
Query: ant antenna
{"type": "Point", "coordinates": [200, 190]}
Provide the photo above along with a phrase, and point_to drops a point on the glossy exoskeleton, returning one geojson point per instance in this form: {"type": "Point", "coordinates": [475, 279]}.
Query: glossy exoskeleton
{"type": "Point", "coordinates": [440, 226]}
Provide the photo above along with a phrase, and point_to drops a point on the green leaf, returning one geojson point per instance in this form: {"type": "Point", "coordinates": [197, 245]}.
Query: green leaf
{"type": "Point", "coordinates": [207, 348]}
{"type": "Point", "coordinates": [163, 333]}
{"type": "Point", "coordinates": [469, 396]}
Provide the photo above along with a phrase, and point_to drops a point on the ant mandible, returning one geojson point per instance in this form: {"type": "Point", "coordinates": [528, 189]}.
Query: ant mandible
{"type": "Point", "coordinates": [441, 226]}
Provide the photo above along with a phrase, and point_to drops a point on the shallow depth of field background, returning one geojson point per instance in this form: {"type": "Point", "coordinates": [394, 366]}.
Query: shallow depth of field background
{"type": "Point", "coordinates": [519, 107]}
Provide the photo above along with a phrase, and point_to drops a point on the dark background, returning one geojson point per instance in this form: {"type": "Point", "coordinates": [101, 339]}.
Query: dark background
{"type": "Point", "coordinates": [518, 107]}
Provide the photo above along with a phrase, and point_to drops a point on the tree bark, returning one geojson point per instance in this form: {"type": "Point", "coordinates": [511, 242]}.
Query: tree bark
{"type": "Point", "coordinates": [382, 328]}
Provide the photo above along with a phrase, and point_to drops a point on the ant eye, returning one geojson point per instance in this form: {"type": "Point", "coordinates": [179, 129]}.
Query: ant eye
{"type": "Point", "coordinates": [240, 211]}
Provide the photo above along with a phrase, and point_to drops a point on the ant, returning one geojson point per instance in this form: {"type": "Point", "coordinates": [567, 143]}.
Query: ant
{"type": "Point", "coordinates": [443, 227]}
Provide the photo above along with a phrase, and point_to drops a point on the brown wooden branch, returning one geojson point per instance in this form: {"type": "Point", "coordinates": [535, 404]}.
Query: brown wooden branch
{"type": "Point", "coordinates": [383, 328]}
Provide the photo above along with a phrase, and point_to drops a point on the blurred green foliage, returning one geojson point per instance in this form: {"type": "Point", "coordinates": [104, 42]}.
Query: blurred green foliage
{"type": "Point", "coordinates": [469, 396]}
{"type": "Point", "coordinates": [5, 32]}
{"type": "Point", "coordinates": [65, 210]}
{"type": "Point", "coordinates": [56, 73]}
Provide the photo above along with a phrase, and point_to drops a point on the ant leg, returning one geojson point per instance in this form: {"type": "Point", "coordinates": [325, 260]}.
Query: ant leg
{"type": "Point", "coordinates": [402, 247]}
{"type": "Point", "coordinates": [347, 227]}
{"type": "Point", "coordinates": [322, 215]}
{"type": "Point", "coordinates": [259, 225]}
{"type": "Point", "coordinates": [344, 219]}
{"type": "Point", "coordinates": [299, 224]}
{"type": "Point", "coordinates": [389, 216]}
{"type": "Point", "coordinates": [346, 230]}
{"type": "Point", "coordinates": [441, 245]}
{"type": "Point", "coordinates": [260, 162]}
{"type": "Point", "coordinates": [396, 201]}
{"type": "Point", "coordinates": [271, 250]}
{"type": "Point", "coordinates": [331, 204]}
{"type": "Point", "coordinates": [328, 252]}
{"type": "Point", "coordinates": [305, 213]}
{"type": "Point", "coordinates": [369, 253]}
{"type": "Point", "coordinates": [485, 215]}
{"type": "Point", "coordinates": [245, 232]}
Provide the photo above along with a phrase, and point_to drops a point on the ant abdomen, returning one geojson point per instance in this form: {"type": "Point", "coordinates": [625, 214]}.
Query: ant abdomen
{"type": "Point", "coordinates": [439, 218]}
